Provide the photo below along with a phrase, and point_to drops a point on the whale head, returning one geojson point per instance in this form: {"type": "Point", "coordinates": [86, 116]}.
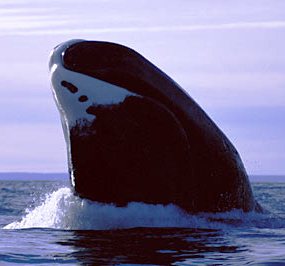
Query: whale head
{"type": "Point", "coordinates": [133, 134]}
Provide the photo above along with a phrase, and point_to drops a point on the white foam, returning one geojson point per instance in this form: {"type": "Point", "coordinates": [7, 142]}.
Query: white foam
{"type": "Point", "coordinates": [63, 210]}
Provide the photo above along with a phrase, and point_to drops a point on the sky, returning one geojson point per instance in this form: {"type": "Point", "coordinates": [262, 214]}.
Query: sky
{"type": "Point", "coordinates": [228, 55]}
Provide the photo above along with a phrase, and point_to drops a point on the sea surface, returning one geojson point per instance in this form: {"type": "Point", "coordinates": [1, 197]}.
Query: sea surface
{"type": "Point", "coordinates": [43, 223]}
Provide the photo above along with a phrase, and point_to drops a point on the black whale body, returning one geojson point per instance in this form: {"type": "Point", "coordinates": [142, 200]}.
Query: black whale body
{"type": "Point", "coordinates": [155, 146]}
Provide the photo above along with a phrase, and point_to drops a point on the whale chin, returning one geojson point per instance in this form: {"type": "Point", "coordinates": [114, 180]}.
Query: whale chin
{"type": "Point", "coordinates": [138, 136]}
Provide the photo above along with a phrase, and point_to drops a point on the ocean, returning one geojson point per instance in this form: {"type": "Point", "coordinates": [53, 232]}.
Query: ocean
{"type": "Point", "coordinates": [43, 223]}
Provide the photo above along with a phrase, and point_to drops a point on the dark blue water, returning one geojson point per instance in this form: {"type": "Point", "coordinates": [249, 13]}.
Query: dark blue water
{"type": "Point", "coordinates": [43, 223]}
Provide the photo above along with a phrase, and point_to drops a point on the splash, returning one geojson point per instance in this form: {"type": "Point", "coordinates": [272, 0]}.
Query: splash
{"type": "Point", "coordinates": [65, 211]}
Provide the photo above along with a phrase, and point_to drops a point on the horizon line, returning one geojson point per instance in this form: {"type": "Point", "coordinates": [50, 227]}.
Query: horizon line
{"type": "Point", "coordinates": [57, 172]}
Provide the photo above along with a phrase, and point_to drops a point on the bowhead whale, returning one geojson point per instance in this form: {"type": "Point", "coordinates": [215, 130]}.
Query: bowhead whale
{"type": "Point", "coordinates": [133, 134]}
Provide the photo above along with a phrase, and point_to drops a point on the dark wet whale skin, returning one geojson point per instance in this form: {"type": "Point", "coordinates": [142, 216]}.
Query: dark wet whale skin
{"type": "Point", "coordinates": [156, 146]}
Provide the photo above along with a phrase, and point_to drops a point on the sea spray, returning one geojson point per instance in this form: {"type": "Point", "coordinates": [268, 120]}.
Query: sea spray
{"type": "Point", "coordinates": [63, 210]}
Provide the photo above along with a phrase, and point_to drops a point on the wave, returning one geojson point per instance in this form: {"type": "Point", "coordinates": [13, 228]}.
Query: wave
{"type": "Point", "coordinates": [63, 210]}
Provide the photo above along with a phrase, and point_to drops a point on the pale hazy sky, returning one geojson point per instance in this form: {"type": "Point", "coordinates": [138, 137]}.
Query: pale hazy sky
{"type": "Point", "coordinates": [228, 55]}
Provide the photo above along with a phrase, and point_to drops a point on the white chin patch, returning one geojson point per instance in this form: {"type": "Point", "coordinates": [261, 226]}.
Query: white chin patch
{"type": "Point", "coordinates": [75, 92]}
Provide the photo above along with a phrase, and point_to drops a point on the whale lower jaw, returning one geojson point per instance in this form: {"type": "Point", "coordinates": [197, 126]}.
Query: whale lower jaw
{"type": "Point", "coordinates": [114, 161]}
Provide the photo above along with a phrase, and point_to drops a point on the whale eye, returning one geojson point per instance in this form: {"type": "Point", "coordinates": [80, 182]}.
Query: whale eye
{"type": "Point", "coordinates": [83, 98]}
{"type": "Point", "coordinates": [69, 86]}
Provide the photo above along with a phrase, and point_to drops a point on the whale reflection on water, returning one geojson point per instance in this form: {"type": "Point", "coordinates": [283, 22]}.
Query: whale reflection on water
{"type": "Point", "coordinates": [149, 246]}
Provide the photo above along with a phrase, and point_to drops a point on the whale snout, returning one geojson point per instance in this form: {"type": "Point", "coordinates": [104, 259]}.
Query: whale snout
{"type": "Point", "coordinates": [56, 55]}
{"type": "Point", "coordinates": [70, 95]}
{"type": "Point", "coordinates": [75, 91]}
